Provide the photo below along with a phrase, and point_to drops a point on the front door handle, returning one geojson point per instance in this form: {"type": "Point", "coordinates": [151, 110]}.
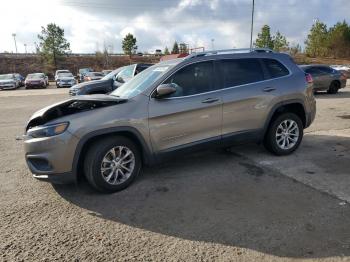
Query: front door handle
{"type": "Point", "coordinates": [269, 89]}
{"type": "Point", "coordinates": [210, 100]}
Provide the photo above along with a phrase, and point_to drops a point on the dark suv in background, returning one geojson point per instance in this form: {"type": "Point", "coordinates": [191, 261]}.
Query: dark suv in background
{"type": "Point", "coordinates": [216, 98]}
{"type": "Point", "coordinates": [109, 82]}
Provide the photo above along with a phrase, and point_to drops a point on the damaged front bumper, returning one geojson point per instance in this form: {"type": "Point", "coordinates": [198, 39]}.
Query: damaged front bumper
{"type": "Point", "coordinates": [51, 158]}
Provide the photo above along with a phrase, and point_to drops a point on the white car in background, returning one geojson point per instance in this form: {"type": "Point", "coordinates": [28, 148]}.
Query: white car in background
{"type": "Point", "coordinates": [65, 80]}
{"type": "Point", "coordinates": [60, 72]}
{"type": "Point", "coordinates": [344, 69]}
{"type": "Point", "coordinates": [9, 81]}
{"type": "Point", "coordinates": [341, 67]}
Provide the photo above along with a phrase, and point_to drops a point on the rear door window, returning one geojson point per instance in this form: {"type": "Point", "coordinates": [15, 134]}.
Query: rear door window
{"type": "Point", "coordinates": [275, 68]}
{"type": "Point", "coordinates": [237, 72]}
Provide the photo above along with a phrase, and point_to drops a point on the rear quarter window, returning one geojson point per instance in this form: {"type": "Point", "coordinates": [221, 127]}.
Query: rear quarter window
{"type": "Point", "coordinates": [275, 68]}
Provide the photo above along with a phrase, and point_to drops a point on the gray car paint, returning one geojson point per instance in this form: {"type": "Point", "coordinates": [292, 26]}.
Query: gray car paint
{"type": "Point", "coordinates": [170, 123]}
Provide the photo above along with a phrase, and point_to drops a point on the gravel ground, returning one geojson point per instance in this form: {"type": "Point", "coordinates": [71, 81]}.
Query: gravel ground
{"type": "Point", "coordinates": [224, 206]}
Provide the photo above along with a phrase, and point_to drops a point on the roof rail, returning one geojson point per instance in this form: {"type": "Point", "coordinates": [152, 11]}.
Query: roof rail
{"type": "Point", "coordinates": [229, 51]}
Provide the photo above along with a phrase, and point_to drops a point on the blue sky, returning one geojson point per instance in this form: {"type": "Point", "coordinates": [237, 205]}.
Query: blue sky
{"type": "Point", "coordinates": [92, 24]}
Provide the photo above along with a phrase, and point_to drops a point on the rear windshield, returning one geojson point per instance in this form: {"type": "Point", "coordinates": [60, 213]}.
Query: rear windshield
{"type": "Point", "coordinates": [35, 76]}
{"type": "Point", "coordinates": [84, 70]}
{"type": "Point", "coordinates": [65, 74]}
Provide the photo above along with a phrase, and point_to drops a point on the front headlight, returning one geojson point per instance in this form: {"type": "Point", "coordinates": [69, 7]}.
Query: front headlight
{"type": "Point", "coordinates": [49, 130]}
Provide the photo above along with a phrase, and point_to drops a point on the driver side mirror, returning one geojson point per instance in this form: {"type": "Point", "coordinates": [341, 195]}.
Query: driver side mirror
{"type": "Point", "coordinates": [165, 90]}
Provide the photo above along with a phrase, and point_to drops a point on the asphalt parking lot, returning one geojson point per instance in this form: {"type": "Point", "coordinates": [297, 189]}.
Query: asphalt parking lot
{"type": "Point", "coordinates": [237, 205]}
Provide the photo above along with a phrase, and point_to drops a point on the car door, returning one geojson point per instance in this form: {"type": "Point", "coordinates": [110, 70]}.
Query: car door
{"type": "Point", "coordinates": [192, 115]}
{"type": "Point", "coordinates": [327, 76]}
{"type": "Point", "coordinates": [248, 96]}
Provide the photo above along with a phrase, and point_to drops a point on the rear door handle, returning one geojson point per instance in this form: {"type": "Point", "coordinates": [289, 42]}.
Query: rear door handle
{"type": "Point", "coordinates": [269, 89]}
{"type": "Point", "coordinates": [210, 100]}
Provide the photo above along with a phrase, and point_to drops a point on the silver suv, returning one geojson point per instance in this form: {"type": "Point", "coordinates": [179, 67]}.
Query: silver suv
{"type": "Point", "coordinates": [212, 98]}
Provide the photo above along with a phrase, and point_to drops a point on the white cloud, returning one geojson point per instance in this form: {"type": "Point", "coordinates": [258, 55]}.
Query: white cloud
{"type": "Point", "coordinates": [157, 23]}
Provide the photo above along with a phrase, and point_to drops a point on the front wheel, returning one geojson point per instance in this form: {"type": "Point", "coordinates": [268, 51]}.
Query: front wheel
{"type": "Point", "coordinates": [112, 164]}
{"type": "Point", "coordinates": [284, 134]}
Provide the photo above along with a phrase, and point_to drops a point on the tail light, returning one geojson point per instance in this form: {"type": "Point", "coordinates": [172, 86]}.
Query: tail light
{"type": "Point", "coordinates": [309, 79]}
{"type": "Point", "coordinates": [343, 76]}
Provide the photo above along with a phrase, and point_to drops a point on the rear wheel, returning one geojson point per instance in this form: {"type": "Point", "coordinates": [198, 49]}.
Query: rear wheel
{"type": "Point", "coordinates": [112, 164]}
{"type": "Point", "coordinates": [284, 134]}
{"type": "Point", "coordinates": [333, 88]}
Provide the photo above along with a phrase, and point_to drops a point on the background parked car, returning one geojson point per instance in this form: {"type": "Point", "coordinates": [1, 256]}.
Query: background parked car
{"type": "Point", "coordinates": [9, 81]}
{"type": "Point", "coordinates": [345, 69]}
{"type": "Point", "coordinates": [36, 80]}
{"type": "Point", "coordinates": [341, 67]}
{"type": "Point", "coordinates": [82, 72]}
{"type": "Point", "coordinates": [20, 79]}
{"type": "Point", "coordinates": [109, 82]}
{"type": "Point", "coordinates": [325, 78]}
{"type": "Point", "coordinates": [59, 72]}
{"type": "Point", "coordinates": [65, 80]}
{"type": "Point", "coordinates": [91, 76]}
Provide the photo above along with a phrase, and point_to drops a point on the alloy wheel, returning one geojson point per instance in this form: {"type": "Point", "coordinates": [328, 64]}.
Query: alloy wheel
{"type": "Point", "coordinates": [287, 134]}
{"type": "Point", "coordinates": [117, 165]}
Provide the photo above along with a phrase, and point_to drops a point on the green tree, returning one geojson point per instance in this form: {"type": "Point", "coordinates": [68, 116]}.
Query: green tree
{"type": "Point", "coordinates": [129, 44]}
{"type": "Point", "coordinates": [264, 39]}
{"type": "Point", "coordinates": [175, 48]}
{"type": "Point", "coordinates": [339, 40]}
{"type": "Point", "coordinates": [279, 42]}
{"type": "Point", "coordinates": [183, 48]}
{"type": "Point", "coordinates": [317, 39]}
{"type": "Point", "coordinates": [52, 44]}
{"type": "Point", "coordinates": [166, 51]}
{"type": "Point", "coordinates": [294, 49]}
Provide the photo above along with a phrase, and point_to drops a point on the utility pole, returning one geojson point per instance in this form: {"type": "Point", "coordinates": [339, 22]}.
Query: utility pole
{"type": "Point", "coordinates": [212, 43]}
{"type": "Point", "coordinates": [252, 27]}
{"type": "Point", "coordinates": [25, 48]}
{"type": "Point", "coordinates": [14, 38]}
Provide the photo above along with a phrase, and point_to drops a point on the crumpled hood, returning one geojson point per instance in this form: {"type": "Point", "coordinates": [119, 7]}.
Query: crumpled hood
{"type": "Point", "coordinates": [71, 106]}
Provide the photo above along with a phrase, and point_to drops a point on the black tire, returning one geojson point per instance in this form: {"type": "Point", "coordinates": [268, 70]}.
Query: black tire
{"type": "Point", "coordinates": [93, 161]}
{"type": "Point", "coordinates": [333, 88]}
{"type": "Point", "coordinates": [270, 142]}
